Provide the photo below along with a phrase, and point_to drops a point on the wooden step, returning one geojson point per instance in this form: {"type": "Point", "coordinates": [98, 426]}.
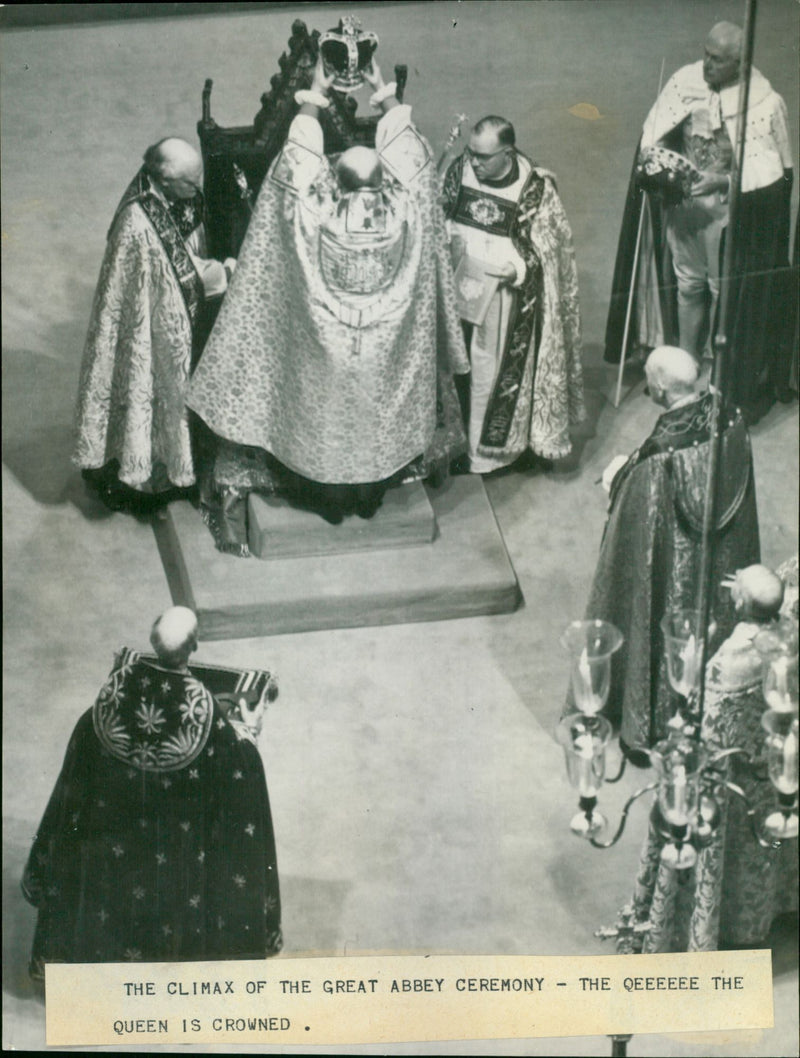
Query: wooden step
{"type": "Point", "coordinates": [463, 572]}
{"type": "Point", "coordinates": [279, 530]}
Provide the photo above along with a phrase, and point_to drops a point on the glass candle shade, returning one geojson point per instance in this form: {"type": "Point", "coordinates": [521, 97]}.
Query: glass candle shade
{"type": "Point", "coordinates": [591, 645]}
{"type": "Point", "coordinates": [584, 740]}
{"type": "Point", "coordinates": [781, 747]}
{"type": "Point", "coordinates": [777, 645]}
{"type": "Point", "coordinates": [678, 763]}
{"type": "Point", "coordinates": [684, 649]}
{"type": "Point", "coordinates": [679, 856]}
{"type": "Point", "coordinates": [706, 822]}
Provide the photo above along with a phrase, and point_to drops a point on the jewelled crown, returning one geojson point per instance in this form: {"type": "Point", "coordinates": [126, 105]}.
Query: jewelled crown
{"type": "Point", "coordinates": [347, 52]}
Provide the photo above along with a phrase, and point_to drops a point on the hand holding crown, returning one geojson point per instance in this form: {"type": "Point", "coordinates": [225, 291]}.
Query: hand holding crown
{"type": "Point", "coordinates": [373, 76]}
{"type": "Point", "coordinates": [321, 80]}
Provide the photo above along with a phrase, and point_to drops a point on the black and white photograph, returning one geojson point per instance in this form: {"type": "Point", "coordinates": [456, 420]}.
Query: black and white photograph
{"type": "Point", "coordinates": [400, 494]}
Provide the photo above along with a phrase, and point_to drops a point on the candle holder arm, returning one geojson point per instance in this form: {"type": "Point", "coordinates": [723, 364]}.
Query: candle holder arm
{"type": "Point", "coordinates": [765, 843]}
{"type": "Point", "coordinates": [624, 817]}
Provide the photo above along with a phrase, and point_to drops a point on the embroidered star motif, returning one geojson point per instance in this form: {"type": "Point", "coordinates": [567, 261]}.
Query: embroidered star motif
{"type": "Point", "coordinates": [194, 901]}
{"type": "Point", "coordinates": [220, 723]}
{"type": "Point", "coordinates": [220, 922]}
{"type": "Point", "coordinates": [138, 893]}
{"type": "Point", "coordinates": [102, 914]}
{"type": "Point", "coordinates": [185, 826]}
{"type": "Point", "coordinates": [161, 859]}
{"type": "Point", "coordinates": [237, 774]}
{"type": "Point", "coordinates": [166, 930]}
{"type": "Point", "coordinates": [145, 682]}
{"type": "Point", "coordinates": [201, 856]}
{"type": "Point", "coordinates": [250, 829]}
{"type": "Point", "coordinates": [210, 751]}
{"type": "Point", "coordinates": [41, 858]}
{"type": "Point", "coordinates": [53, 890]}
{"type": "Point", "coordinates": [131, 773]}
{"type": "Point", "coordinates": [133, 954]}
{"type": "Point", "coordinates": [193, 773]}
{"type": "Point", "coordinates": [150, 718]}
{"type": "Point", "coordinates": [239, 881]}
{"type": "Point", "coordinates": [118, 851]}
{"type": "Point", "coordinates": [166, 783]}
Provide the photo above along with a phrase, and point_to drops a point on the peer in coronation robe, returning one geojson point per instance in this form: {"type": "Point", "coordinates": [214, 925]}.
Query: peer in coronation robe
{"type": "Point", "coordinates": [328, 376]}
{"type": "Point", "coordinates": [695, 123]}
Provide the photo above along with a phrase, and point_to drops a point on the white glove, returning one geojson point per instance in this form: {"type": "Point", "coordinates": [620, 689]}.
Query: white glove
{"type": "Point", "coordinates": [611, 471]}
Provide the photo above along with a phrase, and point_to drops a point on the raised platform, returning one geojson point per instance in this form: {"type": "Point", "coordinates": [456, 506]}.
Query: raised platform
{"type": "Point", "coordinates": [463, 572]}
{"type": "Point", "coordinates": [278, 530]}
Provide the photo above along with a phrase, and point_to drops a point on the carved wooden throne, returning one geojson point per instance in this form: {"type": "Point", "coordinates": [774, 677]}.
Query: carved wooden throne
{"type": "Point", "coordinates": [236, 159]}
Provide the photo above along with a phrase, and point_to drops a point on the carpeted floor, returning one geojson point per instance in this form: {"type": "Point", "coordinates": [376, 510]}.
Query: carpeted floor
{"type": "Point", "coordinates": [418, 795]}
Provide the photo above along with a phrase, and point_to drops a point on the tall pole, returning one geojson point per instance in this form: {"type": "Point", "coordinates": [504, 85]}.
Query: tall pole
{"type": "Point", "coordinates": [634, 269]}
{"type": "Point", "coordinates": [721, 362]}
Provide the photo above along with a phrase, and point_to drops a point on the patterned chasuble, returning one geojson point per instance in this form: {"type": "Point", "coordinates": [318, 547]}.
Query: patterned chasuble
{"type": "Point", "coordinates": [157, 842]}
{"type": "Point", "coordinates": [172, 224]}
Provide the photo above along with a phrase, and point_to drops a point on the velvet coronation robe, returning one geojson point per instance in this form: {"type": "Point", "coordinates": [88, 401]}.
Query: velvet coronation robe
{"type": "Point", "coordinates": [760, 345]}
{"type": "Point", "coordinates": [537, 392]}
{"type": "Point", "coordinates": [649, 558]}
{"type": "Point", "coordinates": [334, 349]}
{"type": "Point", "coordinates": [157, 842]}
{"type": "Point", "coordinates": [148, 308]}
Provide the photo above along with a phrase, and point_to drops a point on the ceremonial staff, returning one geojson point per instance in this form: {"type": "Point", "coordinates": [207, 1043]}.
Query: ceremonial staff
{"type": "Point", "coordinates": [720, 365]}
{"type": "Point", "coordinates": [634, 270]}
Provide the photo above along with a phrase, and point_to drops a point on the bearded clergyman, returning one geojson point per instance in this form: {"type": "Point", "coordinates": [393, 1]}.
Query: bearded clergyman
{"type": "Point", "coordinates": [328, 375]}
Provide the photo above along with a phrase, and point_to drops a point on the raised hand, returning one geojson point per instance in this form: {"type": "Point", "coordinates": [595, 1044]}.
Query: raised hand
{"type": "Point", "coordinates": [321, 81]}
{"type": "Point", "coordinates": [373, 76]}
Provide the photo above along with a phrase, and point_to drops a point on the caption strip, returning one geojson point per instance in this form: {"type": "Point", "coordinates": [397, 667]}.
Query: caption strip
{"type": "Point", "coordinates": [383, 999]}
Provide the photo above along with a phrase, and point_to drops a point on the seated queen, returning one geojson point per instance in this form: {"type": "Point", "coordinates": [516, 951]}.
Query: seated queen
{"type": "Point", "coordinates": [328, 376]}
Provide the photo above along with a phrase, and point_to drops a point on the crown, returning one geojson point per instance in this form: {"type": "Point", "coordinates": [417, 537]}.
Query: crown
{"type": "Point", "coordinates": [347, 52]}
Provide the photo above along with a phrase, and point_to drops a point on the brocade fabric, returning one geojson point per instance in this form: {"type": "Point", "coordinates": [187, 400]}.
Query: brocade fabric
{"type": "Point", "coordinates": [137, 358]}
{"type": "Point", "coordinates": [341, 389]}
{"type": "Point", "coordinates": [649, 560]}
{"type": "Point", "coordinates": [737, 888]}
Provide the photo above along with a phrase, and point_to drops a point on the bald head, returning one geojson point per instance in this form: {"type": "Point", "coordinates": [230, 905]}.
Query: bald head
{"type": "Point", "coordinates": [722, 55]}
{"type": "Point", "coordinates": [359, 167]}
{"type": "Point", "coordinates": [174, 636]}
{"type": "Point", "coordinates": [757, 593]}
{"type": "Point", "coordinates": [176, 166]}
{"type": "Point", "coordinates": [671, 373]}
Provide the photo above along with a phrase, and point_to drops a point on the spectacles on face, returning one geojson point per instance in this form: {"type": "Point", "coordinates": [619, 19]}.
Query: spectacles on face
{"type": "Point", "coordinates": [476, 157]}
